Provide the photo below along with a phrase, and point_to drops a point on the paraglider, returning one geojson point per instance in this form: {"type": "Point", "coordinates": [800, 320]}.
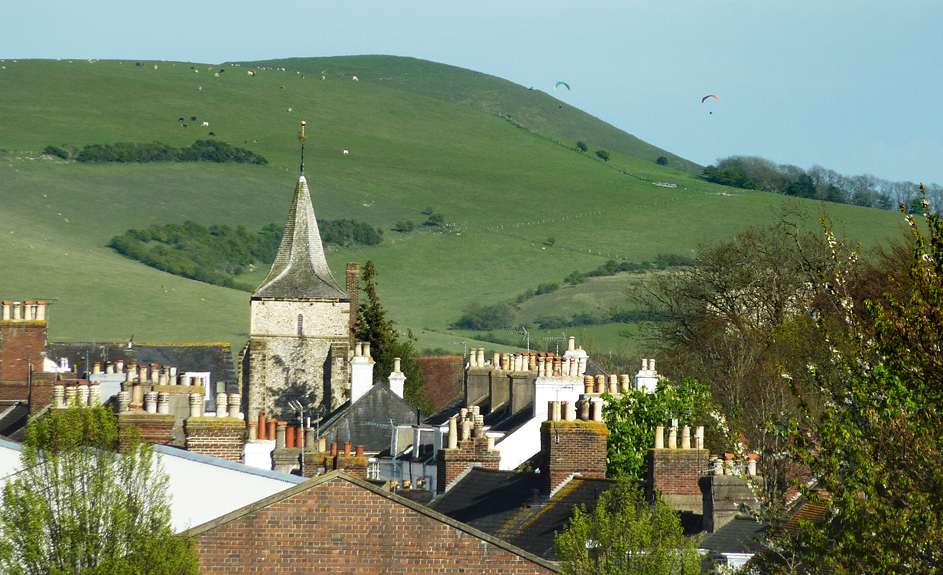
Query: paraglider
{"type": "Point", "coordinates": [558, 84]}
{"type": "Point", "coordinates": [704, 99]}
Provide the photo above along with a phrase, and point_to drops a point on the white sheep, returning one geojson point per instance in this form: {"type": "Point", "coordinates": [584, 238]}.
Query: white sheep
{"type": "Point", "coordinates": [346, 152]}
{"type": "Point", "coordinates": [356, 79]}
{"type": "Point", "coordinates": [206, 124]}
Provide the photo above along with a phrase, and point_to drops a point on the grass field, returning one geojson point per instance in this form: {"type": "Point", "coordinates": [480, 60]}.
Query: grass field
{"type": "Point", "coordinates": [419, 135]}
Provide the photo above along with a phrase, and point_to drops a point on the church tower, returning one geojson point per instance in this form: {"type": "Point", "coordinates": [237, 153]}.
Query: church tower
{"type": "Point", "coordinates": [299, 330]}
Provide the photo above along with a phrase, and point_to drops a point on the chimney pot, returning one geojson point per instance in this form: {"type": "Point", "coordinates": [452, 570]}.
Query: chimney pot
{"type": "Point", "coordinates": [659, 437]}
{"type": "Point", "coordinates": [571, 343]}
{"type": "Point", "coordinates": [600, 384]}
{"type": "Point", "coordinates": [261, 425]}
{"type": "Point", "coordinates": [322, 445]}
{"type": "Point", "coordinates": [686, 437]}
{"type": "Point", "coordinates": [253, 430]}
{"type": "Point", "coordinates": [150, 402]}
{"type": "Point", "coordinates": [221, 403]}
{"type": "Point", "coordinates": [346, 449]}
{"type": "Point", "coordinates": [124, 400]}
{"type": "Point", "coordinates": [280, 433]}
{"type": "Point", "coordinates": [588, 383]}
{"type": "Point", "coordinates": [196, 404]}
{"type": "Point", "coordinates": [235, 402]}
{"type": "Point", "coordinates": [672, 437]}
{"type": "Point", "coordinates": [334, 449]}
{"type": "Point", "coordinates": [359, 451]}
{"type": "Point", "coordinates": [453, 432]}
{"type": "Point", "coordinates": [163, 403]}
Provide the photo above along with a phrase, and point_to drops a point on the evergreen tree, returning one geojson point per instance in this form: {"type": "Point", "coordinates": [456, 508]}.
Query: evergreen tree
{"type": "Point", "coordinates": [78, 506]}
{"type": "Point", "coordinates": [387, 343]}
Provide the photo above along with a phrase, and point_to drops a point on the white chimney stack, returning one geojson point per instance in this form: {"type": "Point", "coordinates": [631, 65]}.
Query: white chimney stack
{"type": "Point", "coordinates": [361, 372]}
{"type": "Point", "coordinates": [397, 379]}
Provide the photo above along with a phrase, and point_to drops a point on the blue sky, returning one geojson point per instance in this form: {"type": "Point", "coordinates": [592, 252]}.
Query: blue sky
{"type": "Point", "coordinates": [855, 87]}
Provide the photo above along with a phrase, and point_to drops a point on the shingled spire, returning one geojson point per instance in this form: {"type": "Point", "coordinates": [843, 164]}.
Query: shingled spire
{"type": "Point", "coordinates": [300, 270]}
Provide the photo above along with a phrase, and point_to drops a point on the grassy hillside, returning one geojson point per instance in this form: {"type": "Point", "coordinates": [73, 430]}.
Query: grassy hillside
{"type": "Point", "coordinates": [506, 190]}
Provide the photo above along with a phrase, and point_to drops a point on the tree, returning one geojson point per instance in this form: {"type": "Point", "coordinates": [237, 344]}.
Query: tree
{"type": "Point", "coordinates": [581, 146]}
{"type": "Point", "coordinates": [736, 320]}
{"type": "Point", "coordinates": [633, 417]}
{"type": "Point", "coordinates": [875, 451]}
{"type": "Point", "coordinates": [623, 535]}
{"type": "Point", "coordinates": [78, 506]}
{"type": "Point", "coordinates": [662, 161]}
{"type": "Point", "coordinates": [604, 154]}
{"type": "Point", "coordinates": [386, 342]}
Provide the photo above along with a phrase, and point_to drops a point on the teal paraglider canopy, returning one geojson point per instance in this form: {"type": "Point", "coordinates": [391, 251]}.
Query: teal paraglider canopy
{"type": "Point", "coordinates": [562, 84]}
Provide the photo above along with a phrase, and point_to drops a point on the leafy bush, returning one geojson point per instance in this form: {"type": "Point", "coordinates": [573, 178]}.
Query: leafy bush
{"type": "Point", "coordinates": [581, 146]}
{"type": "Point", "coordinates": [479, 317]}
{"type": "Point", "coordinates": [200, 151]}
{"type": "Point", "coordinates": [404, 226]}
{"type": "Point", "coordinates": [603, 154]}
{"type": "Point", "coordinates": [56, 151]}
{"type": "Point", "coordinates": [662, 161]}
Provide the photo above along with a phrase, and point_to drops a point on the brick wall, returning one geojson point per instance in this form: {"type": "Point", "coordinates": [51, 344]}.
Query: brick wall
{"type": "Point", "coordinates": [21, 345]}
{"type": "Point", "coordinates": [444, 375]}
{"type": "Point", "coordinates": [339, 525]}
{"type": "Point", "coordinates": [675, 473]}
{"type": "Point", "coordinates": [569, 447]}
{"type": "Point", "coordinates": [222, 437]}
{"type": "Point", "coordinates": [453, 462]}
{"type": "Point", "coordinates": [155, 428]}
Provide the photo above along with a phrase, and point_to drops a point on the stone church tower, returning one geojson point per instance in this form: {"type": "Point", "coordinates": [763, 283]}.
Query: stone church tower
{"type": "Point", "coordinates": [300, 325]}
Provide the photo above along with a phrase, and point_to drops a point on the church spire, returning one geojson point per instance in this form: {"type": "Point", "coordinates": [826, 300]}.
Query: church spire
{"type": "Point", "coordinates": [300, 270]}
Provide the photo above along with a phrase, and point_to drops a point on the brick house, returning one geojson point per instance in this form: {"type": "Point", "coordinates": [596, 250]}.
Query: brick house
{"type": "Point", "coordinates": [298, 530]}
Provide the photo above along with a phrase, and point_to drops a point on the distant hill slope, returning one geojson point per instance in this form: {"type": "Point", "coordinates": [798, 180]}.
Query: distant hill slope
{"type": "Point", "coordinates": [505, 191]}
{"type": "Point", "coordinates": [535, 110]}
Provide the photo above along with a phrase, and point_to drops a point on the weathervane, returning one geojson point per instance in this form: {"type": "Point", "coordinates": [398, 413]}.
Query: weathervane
{"type": "Point", "coordinates": [302, 138]}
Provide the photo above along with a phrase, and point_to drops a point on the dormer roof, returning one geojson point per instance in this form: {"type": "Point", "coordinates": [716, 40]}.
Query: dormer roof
{"type": "Point", "coordinates": [300, 270]}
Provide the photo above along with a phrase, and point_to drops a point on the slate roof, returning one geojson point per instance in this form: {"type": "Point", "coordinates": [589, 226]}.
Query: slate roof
{"type": "Point", "coordinates": [506, 504]}
{"type": "Point", "coordinates": [370, 420]}
{"type": "Point", "coordinates": [737, 536]}
{"type": "Point", "coordinates": [300, 270]}
{"type": "Point", "coordinates": [215, 358]}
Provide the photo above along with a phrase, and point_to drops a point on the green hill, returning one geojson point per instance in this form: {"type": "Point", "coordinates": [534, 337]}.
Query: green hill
{"type": "Point", "coordinates": [504, 186]}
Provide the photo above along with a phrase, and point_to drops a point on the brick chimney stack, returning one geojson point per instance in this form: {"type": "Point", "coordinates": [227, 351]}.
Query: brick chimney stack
{"type": "Point", "coordinates": [572, 442]}
{"type": "Point", "coordinates": [468, 446]}
{"type": "Point", "coordinates": [674, 472]}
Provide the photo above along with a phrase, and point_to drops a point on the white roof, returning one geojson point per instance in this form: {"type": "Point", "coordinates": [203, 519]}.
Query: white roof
{"type": "Point", "coordinates": [201, 488]}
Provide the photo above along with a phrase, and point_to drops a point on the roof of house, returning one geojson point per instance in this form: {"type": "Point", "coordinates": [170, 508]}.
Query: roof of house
{"type": "Point", "coordinates": [740, 535]}
{"type": "Point", "coordinates": [370, 420]}
{"type": "Point", "coordinates": [300, 270]}
{"type": "Point", "coordinates": [215, 358]}
{"type": "Point", "coordinates": [506, 504]}
{"type": "Point", "coordinates": [324, 481]}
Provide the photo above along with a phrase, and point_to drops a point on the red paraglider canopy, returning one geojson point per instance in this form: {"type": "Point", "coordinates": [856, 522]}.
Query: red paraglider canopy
{"type": "Point", "coordinates": [704, 99]}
